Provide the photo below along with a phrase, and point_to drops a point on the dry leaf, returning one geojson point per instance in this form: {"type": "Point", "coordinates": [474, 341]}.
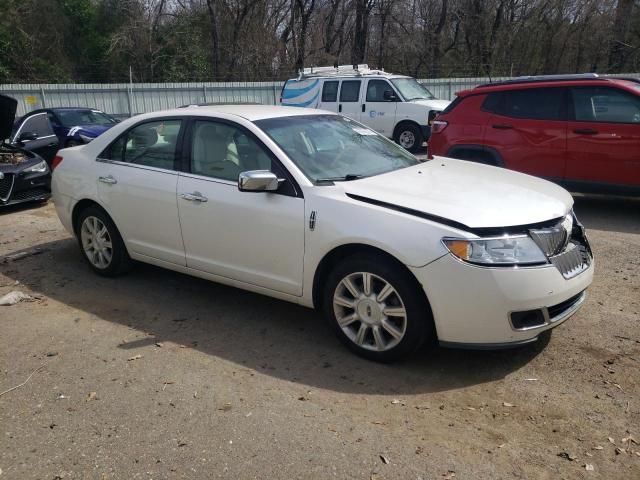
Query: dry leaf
{"type": "Point", "coordinates": [507, 404]}
{"type": "Point", "coordinates": [588, 467]}
{"type": "Point", "coordinates": [135, 357]}
{"type": "Point", "coordinates": [598, 447]}
{"type": "Point", "coordinates": [92, 396]}
{"type": "Point", "coordinates": [378, 422]}
{"type": "Point", "coordinates": [629, 439]}
{"type": "Point", "coordinates": [501, 445]}
{"type": "Point", "coordinates": [384, 459]}
{"type": "Point", "coordinates": [449, 475]}
{"type": "Point", "coordinates": [226, 407]}
{"type": "Point", "coordinates": [612, 440]}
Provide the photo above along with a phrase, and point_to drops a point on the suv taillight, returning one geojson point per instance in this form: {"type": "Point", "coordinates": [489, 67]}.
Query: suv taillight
{"type": "Point", "coordinates": [57, 160]}
{"type": "Point", "coordinates": [438, 126]}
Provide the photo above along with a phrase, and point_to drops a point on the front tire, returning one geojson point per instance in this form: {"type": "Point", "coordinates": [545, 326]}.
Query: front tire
{"type": "Point", "coordinates": [101, 243]}
{"type": "Point", "coordinates": [409, 136]}
{"type": "Point", "coordinates": [376, 308]}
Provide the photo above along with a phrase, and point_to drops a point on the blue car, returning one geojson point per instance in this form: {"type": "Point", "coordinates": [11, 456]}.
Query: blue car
{"type": "Point", "coordinates": [47, 130]}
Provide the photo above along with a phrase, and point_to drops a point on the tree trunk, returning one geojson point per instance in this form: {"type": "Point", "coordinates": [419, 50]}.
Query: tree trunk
{"type": "Point", "coordinates": [215, 41]}
{"type": "Point", "coordinates": [618, 50]}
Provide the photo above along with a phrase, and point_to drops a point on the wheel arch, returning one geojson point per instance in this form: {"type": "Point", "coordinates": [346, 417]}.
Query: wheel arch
{"type": "Point", "coordinates": [84, 204]}
{"type": "Point", "coordinates": [404, 122]}
{"type": "Point", "coordinates": [467, 151]}
{"type": "Point", "coordinates": [334, 256]}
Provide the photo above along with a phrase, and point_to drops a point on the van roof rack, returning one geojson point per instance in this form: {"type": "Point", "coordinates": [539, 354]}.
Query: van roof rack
{"type": "Point", "coordinates": [339, 70]}
{"type": "Point", "coordinates": [559, 78]}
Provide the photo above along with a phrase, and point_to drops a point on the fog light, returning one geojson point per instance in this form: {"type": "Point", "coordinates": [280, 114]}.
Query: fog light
{"type": "Point", "coordinates": [527, 319]}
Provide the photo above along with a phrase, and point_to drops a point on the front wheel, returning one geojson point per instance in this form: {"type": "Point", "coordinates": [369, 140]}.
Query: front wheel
{"type": "Point", "coordinates": [409, 136]}
{"type": "Point", "coordinates": [377, 310]}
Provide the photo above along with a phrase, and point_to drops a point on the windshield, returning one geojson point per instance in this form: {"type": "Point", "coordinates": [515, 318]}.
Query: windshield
{"type": "Point", "coordinates": [410, 89]}
{"type": "Point", "coordinates": [71, 118]}
{"type": "Point", "coordinates": [335, 148]}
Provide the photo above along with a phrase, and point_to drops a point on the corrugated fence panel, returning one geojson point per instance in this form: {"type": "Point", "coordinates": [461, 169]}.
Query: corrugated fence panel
{"type": "Point", "coordinates": [123, 99]}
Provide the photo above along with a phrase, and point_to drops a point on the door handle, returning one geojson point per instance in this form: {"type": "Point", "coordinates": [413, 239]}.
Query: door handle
{"type": "Point", "coordinates": [363, 107]}
{"type": "Point", "coordinates": [194, 197]}
{"type": "Point", "coordinates": [502, 126]}
{"type": "Point", "coordinates": [109, 180]}
{"type": "Point", "coordinates": [340, 108]}
{"type": "Point", "coordinates": [585, 131]}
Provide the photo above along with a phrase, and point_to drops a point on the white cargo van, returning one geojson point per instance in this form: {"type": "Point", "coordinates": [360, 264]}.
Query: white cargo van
{"type": "Point", "coordinates": [395, 105]}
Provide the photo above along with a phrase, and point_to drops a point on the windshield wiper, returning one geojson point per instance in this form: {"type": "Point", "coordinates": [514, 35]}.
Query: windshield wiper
{"type": "Point", "coordinates": [347, 178]}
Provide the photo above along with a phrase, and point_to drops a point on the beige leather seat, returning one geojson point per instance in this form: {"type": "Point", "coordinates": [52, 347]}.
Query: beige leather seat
{"type": "Point", "coordinates": [210, 155]}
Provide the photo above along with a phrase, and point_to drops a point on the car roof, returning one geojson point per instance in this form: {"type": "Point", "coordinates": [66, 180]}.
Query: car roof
{"type": "Point", "coordinates": [549, 81]}
{"type": "Point", "coordinates": [248, 112]}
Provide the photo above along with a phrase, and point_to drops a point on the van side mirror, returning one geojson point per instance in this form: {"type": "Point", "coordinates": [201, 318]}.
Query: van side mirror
{"type": "Point", "coordinates": [390, 96]}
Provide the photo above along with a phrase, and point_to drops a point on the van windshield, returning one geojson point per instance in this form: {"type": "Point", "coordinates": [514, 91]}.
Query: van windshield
{"type": "Point", "coordinates": [330, 148]}
{"type": "Point", "coordinates": [410, 89]}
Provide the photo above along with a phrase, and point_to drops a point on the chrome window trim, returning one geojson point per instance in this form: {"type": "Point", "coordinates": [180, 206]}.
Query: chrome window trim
{"type": "Point", "coordinates": [196, 176]}
{"type": "Point", "coordinates": [132, 165]}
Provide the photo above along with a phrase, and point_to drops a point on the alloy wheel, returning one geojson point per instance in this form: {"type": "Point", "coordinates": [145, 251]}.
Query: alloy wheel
{"type": "Point", "coordinates": [96, 242]}
{"type": "Point", "coordinates": [370, 311]}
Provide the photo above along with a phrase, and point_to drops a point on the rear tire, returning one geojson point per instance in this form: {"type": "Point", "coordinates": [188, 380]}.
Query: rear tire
{"type": "Point", "coordinates": [101, 243]}
{"type": "Point", "coordinates": [377, 309]}
{"type": "Point", "coordinates": [409, 136]}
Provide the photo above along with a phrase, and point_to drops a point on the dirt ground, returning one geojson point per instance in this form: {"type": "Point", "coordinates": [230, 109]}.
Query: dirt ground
{"type": "Point", "coordinates": [159, 375]}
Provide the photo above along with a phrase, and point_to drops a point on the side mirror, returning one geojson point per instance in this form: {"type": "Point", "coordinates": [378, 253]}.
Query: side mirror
{"type": "Point", "coordinates": [258, 181]}
{"type": "Point", "coordinates": [27, 137]}
{"type": "Point", "coordinates": [390, 96]}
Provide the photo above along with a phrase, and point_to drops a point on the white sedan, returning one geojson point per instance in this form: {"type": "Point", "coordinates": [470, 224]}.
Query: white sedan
{"type": "Point", "coordinates": [313, 208]}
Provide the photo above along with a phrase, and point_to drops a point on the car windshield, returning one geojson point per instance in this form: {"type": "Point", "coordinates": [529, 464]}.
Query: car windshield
{"type": "Point", "coordinates": [71, 118]}
{"type": "Point", "coordinates": [335, 148]}
{"type": "Point", "coordinates": [410, 89]}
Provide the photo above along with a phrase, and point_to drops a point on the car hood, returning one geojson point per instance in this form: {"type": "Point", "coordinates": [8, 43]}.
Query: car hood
{"type": "Point", "coordinates": [469, 194]}
{"type": "Point", "coordinates": [433, 104]}
{"type": "Point", "coordinates": [8, 108]}
{"type": "Point", "coordinates": [88, 130]}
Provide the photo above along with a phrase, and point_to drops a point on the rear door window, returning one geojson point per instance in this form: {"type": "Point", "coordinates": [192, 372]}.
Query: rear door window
{"type": "Point", "coordinates": [38, 124]}
{"type": "Point", "coordinates": [330, 91]}
{"type": "Point", "coordinates": [605, 104]}
{"type": "Point", "coordinates": [350, 91]}
{"type": "Point", "coordinates": [531, 103]}
{"type": "Point", "coordinates": [152, 144]}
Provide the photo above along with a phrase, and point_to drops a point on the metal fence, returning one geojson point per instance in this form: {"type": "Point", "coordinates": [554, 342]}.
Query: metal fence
{"type": "Point", "coordinates": [124, 99]}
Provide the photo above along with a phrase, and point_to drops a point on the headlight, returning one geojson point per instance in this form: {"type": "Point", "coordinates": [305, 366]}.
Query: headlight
{"type": "Point", "coordinates": [86, 139]}
{"type": "Point", "coordinates": [507, 250]}
{"type": "Point", "coordinates": [39, 167]}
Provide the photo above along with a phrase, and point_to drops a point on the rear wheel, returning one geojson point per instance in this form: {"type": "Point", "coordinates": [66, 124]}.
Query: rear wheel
{"type": "Point", "coordinates": [377, 310]}
{"type": "Point", "coordinates": [409, 136]}
{"type": "Point", "coordinates": [101, 243]}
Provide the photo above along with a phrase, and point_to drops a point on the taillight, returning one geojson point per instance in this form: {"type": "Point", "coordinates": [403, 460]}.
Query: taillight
{"type": "Point", "coordinates": [438, 126]}
{"type": "Point", "coordinates": [57, 160]}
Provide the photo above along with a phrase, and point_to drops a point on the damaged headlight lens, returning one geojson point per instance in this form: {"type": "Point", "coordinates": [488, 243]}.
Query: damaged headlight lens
{"type": "Point", "coordinates": [39, 167]}
{"type": "Point", "coordinates": [507, 250]}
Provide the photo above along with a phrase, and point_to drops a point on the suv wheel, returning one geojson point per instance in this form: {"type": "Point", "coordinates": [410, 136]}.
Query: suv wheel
{"type": "Point", "coordinates": [409, 136]}
{"type": "Point", "coordinates": [376, 309]}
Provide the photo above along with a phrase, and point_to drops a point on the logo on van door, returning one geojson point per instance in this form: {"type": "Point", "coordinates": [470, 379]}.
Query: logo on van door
{"type": "Point", "coordinates": [373, 113]}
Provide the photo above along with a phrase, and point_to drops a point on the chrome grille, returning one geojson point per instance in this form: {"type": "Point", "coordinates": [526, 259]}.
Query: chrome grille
{"type": "Point", "coordinates": [6, 185]}
{"type": "Point", "coordinates": [551, 240]}
{"type": "Point", "coordinates": [572, 261]}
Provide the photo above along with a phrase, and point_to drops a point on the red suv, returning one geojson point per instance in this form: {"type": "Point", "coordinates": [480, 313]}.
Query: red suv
{"type": "Point", "coordinates": [582, 131]}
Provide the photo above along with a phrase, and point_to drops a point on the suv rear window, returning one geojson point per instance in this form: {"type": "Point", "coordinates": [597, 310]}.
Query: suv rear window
{"type": "Point", "coordinates": [532, 103]}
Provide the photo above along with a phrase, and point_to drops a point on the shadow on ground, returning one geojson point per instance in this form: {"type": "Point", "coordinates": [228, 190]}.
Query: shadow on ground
{"type": "Point", "coordinates": [271, 336]}
{"type": "Point", "coordinates": [612, 214]}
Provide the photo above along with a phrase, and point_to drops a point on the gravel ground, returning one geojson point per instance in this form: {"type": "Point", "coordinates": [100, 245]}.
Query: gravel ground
{"type": "Point", "coordinates": [159, 375]}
